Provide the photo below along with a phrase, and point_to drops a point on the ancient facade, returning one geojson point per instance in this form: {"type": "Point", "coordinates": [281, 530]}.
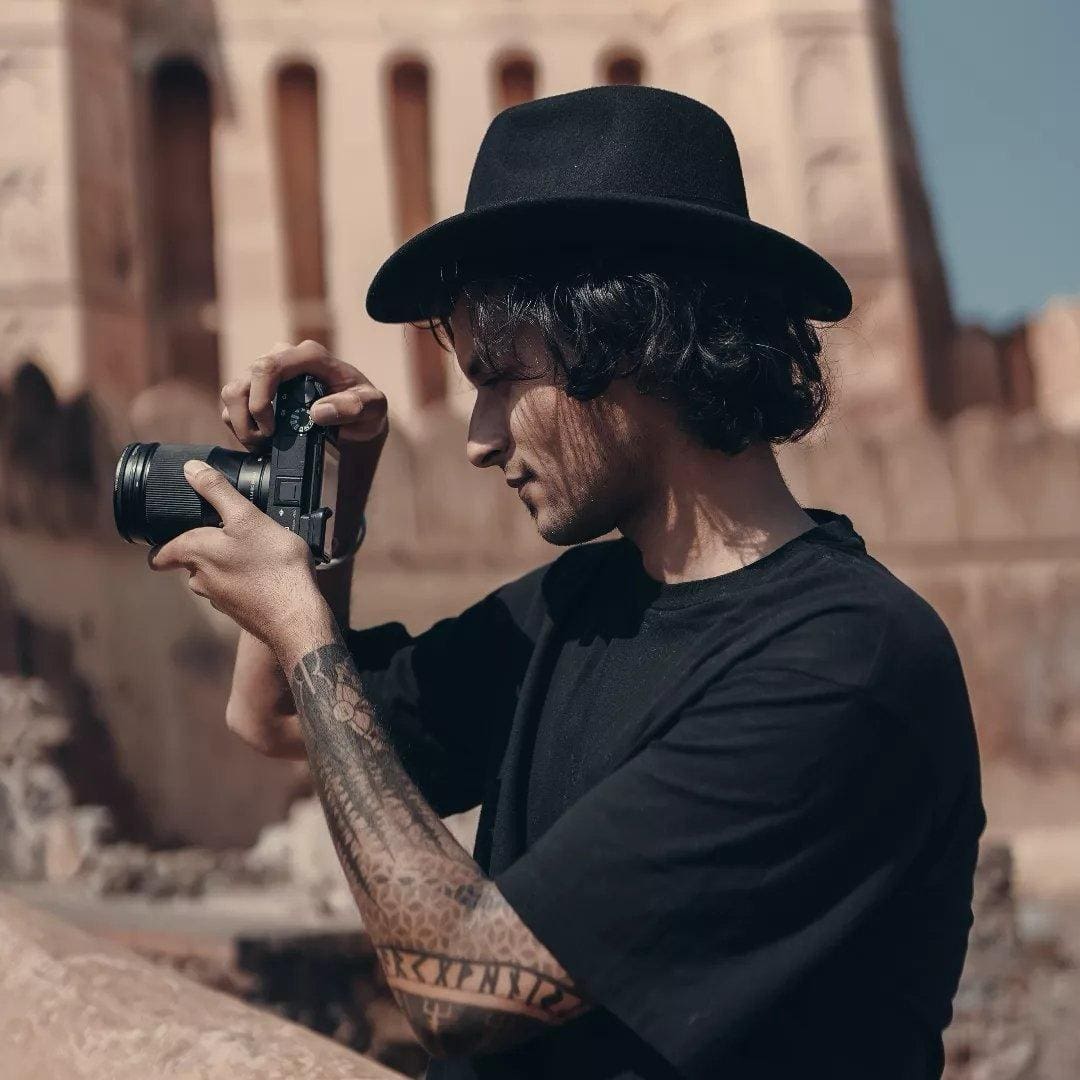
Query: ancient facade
{"type": "Point", "coordinates": [188, 182]}
{"type": "Point", "coordinates": [185, 183]}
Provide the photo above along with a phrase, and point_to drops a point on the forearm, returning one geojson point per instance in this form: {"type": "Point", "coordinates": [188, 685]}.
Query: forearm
{"type": "Point", "coordinates": [261, 710]}
{"type": "Point", "coordinates": [469, 974]}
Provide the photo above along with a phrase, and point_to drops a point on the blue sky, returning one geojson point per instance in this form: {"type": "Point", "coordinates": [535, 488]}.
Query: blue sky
{"type": "Point", "coordinates": [993, 87]}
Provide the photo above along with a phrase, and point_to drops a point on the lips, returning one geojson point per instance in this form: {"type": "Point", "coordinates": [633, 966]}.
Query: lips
{"type": "Point", "coordinates": [518, 482]}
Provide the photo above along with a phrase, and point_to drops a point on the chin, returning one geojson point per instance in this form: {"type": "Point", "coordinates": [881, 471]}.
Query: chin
{"type": "Point", "coordinates": [564, 530]}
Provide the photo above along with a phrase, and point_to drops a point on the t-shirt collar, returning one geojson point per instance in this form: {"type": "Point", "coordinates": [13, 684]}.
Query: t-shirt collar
{"type": "Point", "coordinates": [830, 528]}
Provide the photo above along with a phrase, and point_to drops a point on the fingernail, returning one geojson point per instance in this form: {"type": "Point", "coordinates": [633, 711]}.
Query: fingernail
{"type": "Point", "coordinates": [324, 411]}
{"type": "Point", "coordinates": [193, 467]}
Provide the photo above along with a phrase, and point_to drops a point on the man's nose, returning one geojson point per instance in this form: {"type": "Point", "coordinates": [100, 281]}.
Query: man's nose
{"type": "Point", "coordinates": [489, 438]}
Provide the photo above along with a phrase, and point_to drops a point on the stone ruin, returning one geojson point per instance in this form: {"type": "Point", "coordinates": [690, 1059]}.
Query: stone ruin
{"type": "Point", "coordinates": [1017, 1013]}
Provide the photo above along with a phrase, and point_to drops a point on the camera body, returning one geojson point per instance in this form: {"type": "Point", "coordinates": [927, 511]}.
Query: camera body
{"type": "Point", "coordinates": [294, 481]}
{"type": "Point", "coordinates": [302, 454]}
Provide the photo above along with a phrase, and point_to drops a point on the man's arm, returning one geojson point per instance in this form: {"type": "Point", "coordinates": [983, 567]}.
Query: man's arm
{"type": "Point", "coordinates": [468, 973]}
{"type": "Point", "coordinates": [260, 709]}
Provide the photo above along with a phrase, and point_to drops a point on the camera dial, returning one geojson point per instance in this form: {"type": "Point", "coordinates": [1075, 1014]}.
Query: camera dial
{"type": "Point", "coordinates": [300, 421]}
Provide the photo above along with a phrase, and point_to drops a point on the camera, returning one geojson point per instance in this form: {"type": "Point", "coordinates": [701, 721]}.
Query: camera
{"type": "Point", "coordinates": [294, 482]}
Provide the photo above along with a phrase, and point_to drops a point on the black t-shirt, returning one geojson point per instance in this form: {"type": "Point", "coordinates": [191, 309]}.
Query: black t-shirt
{"type": "Point", "coordinates": [742, 812]}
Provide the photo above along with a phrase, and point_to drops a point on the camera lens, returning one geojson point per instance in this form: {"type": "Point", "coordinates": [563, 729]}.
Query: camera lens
{"type": "Point", "coordinates": [152, 500]}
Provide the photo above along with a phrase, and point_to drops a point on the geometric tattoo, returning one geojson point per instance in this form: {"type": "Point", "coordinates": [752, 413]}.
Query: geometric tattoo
{"type": "Point", "coordinates": [470, 976]}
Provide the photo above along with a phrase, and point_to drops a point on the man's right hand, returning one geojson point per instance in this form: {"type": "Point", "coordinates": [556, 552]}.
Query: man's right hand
{"type": "Point", "coordinates": [351, 404]}
{"type": "Point", "coordinates": [261, 711]}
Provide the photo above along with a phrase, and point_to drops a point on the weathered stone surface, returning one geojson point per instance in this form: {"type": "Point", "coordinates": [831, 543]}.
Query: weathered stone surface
{"type": "Point", "coordinates": [71, 839]}
{"type": "Point", "coordinates": [1054, 343]}
{"type": "Point", "coordinates": [74, 1005]}
{"type": "Point", "coordinates": [300, 850]}
{"type": "Point", "coordinates": [992, 1036]}
{"type": "Point", "coordinates": [32, 788]}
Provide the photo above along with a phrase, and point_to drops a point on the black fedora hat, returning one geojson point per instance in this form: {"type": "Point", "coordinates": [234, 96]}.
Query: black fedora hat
{"type": "Point", "coordinates": [631, 169]}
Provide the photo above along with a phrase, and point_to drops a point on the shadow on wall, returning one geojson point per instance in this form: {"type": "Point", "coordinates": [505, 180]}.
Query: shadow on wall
{"type": "Point", "coordinates": [50, 459]}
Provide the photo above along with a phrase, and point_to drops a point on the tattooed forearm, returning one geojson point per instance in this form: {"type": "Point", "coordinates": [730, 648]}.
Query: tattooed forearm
{"type": "Point", "coordinates": [468, 973]}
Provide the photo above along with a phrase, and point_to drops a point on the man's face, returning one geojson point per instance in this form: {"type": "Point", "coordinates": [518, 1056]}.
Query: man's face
{"type": "Point", "coordinates": [583, 463]}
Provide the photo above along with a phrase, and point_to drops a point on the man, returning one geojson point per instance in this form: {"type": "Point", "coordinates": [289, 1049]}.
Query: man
{"type": "Point", "coordinates": [726, 761]}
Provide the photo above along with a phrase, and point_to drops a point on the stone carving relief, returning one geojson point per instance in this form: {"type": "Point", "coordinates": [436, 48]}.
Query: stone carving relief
{"type": "Point", "coordinates": [736, 92]}
{"type": "Point", "coordinates": [24, 238]}
{"type": "Point", "coordinates": [824, 94]}
{"type": "Point", "coordinates": [839, 201]}
{"type": "Point", "coordinates": [868, 350]}
{"type": "Point", "coordinates": [762, 190]}
{"type": "Point", "coordinates": [27, 247]}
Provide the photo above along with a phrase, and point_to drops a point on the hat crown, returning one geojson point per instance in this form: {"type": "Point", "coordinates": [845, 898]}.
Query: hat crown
{"type": "Point", "coordinates": [609, 141]}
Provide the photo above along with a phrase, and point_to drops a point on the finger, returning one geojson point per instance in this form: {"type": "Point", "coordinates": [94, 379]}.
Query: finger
{"type": "Point", "coordinates": [308, 357]}
{"type": "Point", "coordinates": [197, 585]}
{"type": "Point", "coordinates": [231, 506]}
{"type": "Point", "coordinates": [360, 407]}
{"type": "Point", "coordinates": [254, 445]}
{"type": "Point", "coordinates": [196, 547]}
{"type": "Point", "coordinates": [234, 396]}
{"type": "Point", "coordinates": [263, 382]}
{"type": "Point", "coordinates": [170, 556]}
{"type": "Point", "coordinates": [228, 423]}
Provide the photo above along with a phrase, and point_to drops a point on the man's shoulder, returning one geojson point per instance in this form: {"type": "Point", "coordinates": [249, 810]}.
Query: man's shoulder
{"type": "Point", "coordinates": [873, 611]}
{"type": "Point", "coordinates": [841, 617]}
{"type": "Point", "coordinates": [895, 650]}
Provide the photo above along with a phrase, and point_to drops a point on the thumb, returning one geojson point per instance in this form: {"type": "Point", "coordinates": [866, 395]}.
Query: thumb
{"type": "Point", "coordinates": [217, 491]}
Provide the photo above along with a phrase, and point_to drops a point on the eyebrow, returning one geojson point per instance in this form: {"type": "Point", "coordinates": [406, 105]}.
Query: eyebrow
{"type": "Point", "coordinates": [474, 367]}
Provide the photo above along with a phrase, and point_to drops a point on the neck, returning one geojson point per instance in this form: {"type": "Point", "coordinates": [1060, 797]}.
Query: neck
{"type": "Point", "coordinates": [706, 514]}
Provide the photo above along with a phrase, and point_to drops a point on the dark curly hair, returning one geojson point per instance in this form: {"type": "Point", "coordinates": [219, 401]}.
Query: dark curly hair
{"type": "Point", "coordinates": [730, 354]}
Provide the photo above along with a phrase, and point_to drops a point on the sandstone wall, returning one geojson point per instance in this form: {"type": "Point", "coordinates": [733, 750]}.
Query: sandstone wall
{"type": "Point", "coordinates": [979, 515]}
{"type": "Point", "coordinates": [810, 87]}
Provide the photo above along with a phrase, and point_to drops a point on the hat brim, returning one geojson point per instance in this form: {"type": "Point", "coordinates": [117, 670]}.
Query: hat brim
{"type": "Point", "coordinates": [407, 285]}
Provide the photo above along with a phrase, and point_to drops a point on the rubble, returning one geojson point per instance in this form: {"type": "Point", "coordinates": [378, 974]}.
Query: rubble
{"type": "Point", "coordinates": [992, 1036]}
{"type": "Point", "coordinates": [33, 790]}
{"type": "Point", "coordinates": [45, 837]}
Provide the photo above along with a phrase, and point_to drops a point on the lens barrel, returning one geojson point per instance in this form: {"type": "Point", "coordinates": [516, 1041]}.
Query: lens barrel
{"type": "Point", "coordinates": [152, 500]}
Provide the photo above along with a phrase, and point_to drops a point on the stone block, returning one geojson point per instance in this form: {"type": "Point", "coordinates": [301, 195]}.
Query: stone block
{"type": "Point", "coordinates": [844, 473]}
{"type": "Point", "coordinates": [919, 488]}
{"type": "Point", "coordinates": [1054, 342]}
{"type": "Point", "coordinates": [988, 506]}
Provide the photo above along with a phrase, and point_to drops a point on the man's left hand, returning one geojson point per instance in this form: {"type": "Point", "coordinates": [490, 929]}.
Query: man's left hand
{"type": "Point", "coordinates": [257, 572]}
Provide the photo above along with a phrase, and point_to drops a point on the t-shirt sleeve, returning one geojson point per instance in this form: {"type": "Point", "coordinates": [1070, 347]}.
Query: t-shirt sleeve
{"type": "Point", "coordinates": [728, 859]}
{"type": "Point", "coordinates": [441, 694]}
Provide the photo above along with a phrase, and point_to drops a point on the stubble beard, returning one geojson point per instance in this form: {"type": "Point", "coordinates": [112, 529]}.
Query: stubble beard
{"type": "Point", "coordinates": [592, 512]}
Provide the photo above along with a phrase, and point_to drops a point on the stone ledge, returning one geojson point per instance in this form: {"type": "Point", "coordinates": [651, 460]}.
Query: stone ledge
{"type": "Point", "coordinates": [73, 1004]}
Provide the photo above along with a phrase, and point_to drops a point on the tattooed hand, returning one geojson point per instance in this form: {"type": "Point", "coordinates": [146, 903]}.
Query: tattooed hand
{"type": "Point", "coordinates": [470, 976]}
